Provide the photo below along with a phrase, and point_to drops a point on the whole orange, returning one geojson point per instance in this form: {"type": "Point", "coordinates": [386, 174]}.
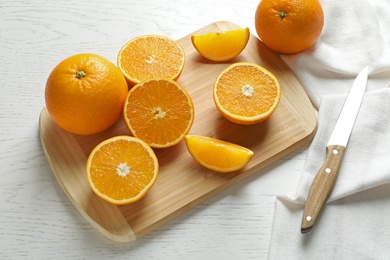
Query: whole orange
{"type": "Point", "coordinates": [289, 26]}
{"type": "Point", "coordinates": [85, 94]}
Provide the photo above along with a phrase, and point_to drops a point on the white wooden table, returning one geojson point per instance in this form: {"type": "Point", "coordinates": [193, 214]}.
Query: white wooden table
{"type": "Point", "coordinates": [37, 220]}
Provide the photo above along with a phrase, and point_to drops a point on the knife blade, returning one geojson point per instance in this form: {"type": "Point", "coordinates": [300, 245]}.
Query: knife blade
{"type": "Point", "coordinates": [325, 179]}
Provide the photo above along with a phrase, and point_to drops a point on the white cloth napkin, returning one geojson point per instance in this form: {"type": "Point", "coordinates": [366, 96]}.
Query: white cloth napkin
{"type": "Point", "coordinates": [355, 223]}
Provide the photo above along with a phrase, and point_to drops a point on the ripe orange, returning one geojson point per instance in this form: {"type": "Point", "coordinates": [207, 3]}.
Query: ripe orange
{"type": "Point", "coordinates": [221, 46]}
{"type": "Point", "coordinates": [218, 155]}
{"type": "Point", "coordinates": [151, 56]}
{"type": "Point", "coordinates": [122, 169]}
{"type": "Point", "coordinates": [159, 111]}
{"type": "Point", "coordinates": [85, 94]}
{"type": "Point", "coordinates": [246, 93]}
{"type": "Point", "coordinates": [289, 26]}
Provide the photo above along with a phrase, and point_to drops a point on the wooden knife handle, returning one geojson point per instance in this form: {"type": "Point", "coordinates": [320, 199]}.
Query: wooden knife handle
{"type": "Point", "coordinates": [322, 186]}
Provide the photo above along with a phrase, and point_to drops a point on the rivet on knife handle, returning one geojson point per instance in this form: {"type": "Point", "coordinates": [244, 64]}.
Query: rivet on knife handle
{"type": "Point", "coordinates": [322, 186]}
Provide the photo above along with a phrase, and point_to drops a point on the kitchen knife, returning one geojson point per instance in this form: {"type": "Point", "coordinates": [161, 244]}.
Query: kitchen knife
{"type": "Point", "coordinates": [326, 177]}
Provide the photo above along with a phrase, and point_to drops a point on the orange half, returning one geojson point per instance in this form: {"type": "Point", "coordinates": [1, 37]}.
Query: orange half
{"type": "Point", "coordinates": [246, 93]}
{"type": "Point", "coordinates": [159, 111]}
{"type": "Point", "coordinates": [151, 56]}
{"type": "Point", "coordinates": [122, 169]}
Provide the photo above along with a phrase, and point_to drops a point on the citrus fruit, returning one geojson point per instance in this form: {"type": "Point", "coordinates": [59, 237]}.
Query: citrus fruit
{"type": "Point", "coordinates": [246, 93]}
{"type": "Point", "coordinates": [151, 56]}
{"type": "Point", "coordinates": [85, 94]}
{"type": "Point", "coordinates": [159, 111]}
{"type": "Point", "coordinates": [122, 169]}
{"type": "Point", "coordinates": [218, 155]}
{"type": "Point", "coordinates": [289, 26]}
{"type": "Point", "coordinates": [223, 45]}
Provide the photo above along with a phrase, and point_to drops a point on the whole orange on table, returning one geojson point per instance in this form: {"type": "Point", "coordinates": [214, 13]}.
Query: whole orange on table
{"type": "Point", "coordinates": [85, 94]}
{"type": "Point", "coordinates": [289, 26]}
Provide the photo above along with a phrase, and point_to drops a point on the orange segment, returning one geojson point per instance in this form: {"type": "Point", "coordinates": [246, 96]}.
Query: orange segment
{"type": "Point", "coordinates": [218, 155]}
{"type": "Point", "coordinates": [151, 56]}
{"type": "Point", "coordinates": [246, 93]}
{"type": "Point", "coordinates": [221, 46]}
{"type": "Point", "coordinates": [159, 111]}
{"type": "Point", "coordinates": [122, 169]}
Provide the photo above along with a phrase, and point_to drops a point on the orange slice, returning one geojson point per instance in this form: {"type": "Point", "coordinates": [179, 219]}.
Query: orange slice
{"type": "Point", "coordinates": [221, 46]}
{"type": "Point", "coordinates": [246, 93]}
{"type": "Point", "coordinates": [122, 169]}
{"type": "Point", "coordinates": [159, 111]}
{"type": "Point", "coordinates": [218, 155]}
{"type": "Point", "coordinates": [151, 56]}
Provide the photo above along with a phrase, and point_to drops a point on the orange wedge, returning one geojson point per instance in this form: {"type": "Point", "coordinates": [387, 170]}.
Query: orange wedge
{"type": "Point", "coordinates": [159, 111]}
{"type": "Point", "coordinates": [151, 56]}
{"type": "Point", "coordinates": [122, 169]}
{"type": "Point", "coordinates": [221, 46]}
{"type": "Point", "coordinates": [218, 155]}
{"type": "Point", "coordinates": [246, 93]}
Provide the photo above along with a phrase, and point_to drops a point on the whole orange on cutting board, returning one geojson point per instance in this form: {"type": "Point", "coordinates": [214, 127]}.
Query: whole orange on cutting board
{"type": "Point", "coordinates": [122, 169]}
{"type": "Point", "coordinates": [246, 93]}
{"type": "Point", "coordinates": [159, 111]}
{"type": "Point", "coordinates": [149, 57]}
{"type": "Point", "coordinates": [221, 45]}
{"type": "Point", "coordinates": [85, 94]}
{"type": "Point", "coordinates": [289, 26]}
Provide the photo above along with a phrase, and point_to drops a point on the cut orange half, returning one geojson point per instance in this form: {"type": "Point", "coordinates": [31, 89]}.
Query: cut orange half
{"type": "Point", "coordinates": [246, 93]}
{"type": "Point", "coordinates": [122, 169]}
{"type": "Point", "coordinates": [221, 46]}
{"type": "Point", "coordinates": [218, 155]}
{"type": "Point", "coordinates": [151, 56]}
{"type": "Point", "coordinates": [159, 111]}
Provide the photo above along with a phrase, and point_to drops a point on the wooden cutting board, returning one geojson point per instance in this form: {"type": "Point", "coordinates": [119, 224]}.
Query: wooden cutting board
{"type": "Point", "coordinates": [182, 183]}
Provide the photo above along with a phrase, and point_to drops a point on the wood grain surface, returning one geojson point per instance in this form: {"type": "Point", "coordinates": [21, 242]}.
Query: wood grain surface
{"type": "Point", "coordinates": [182, 183]}
{"type": "Point", "coordinates": [37, 219]}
